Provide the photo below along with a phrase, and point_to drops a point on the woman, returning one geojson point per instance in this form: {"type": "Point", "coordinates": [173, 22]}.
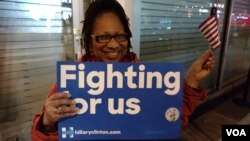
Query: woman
{"type": "Point", "coordinates": [106, 37]}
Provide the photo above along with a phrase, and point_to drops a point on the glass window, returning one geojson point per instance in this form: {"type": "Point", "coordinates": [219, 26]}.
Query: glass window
{"type": "Point", "coordinates": [34, 34]}
{"type": "Point", "coordinates": [169, 31]}
{"type": "Point", "coordinates": [237, 59]}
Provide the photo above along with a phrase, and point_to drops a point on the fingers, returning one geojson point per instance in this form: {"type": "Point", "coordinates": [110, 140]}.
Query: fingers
{"type": "Point", "coordinates": [66, 111]}
{"type": "Point", "coordinates": [60, 96]}
{"type": "Point", "coordinates": [207, 67]}
{"type": "Point", "coordinates": [61, 99]}
{"type": "Point", "coordinates": [209, 55]}
{"type": "Point", "coordinates": [210, 62]}
{"type": "Point", "coordinates": [200, 69]}
{"type": "Point", "coordinates": [58, 106]}
{"type": "Point", "coordinates": [202, 75]}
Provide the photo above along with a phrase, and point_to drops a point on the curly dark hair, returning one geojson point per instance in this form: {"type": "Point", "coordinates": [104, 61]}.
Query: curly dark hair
{"type": "Point", "coordinates": [97, 8]}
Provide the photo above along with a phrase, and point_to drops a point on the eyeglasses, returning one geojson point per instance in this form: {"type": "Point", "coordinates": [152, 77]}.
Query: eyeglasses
{"type": "Point", "coordinates": [106, 37]}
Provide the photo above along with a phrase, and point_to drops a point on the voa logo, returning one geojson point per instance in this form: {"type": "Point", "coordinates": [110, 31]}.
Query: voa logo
{"type": "Point", "coordinates": [236, 132]}
{"type": "Point", "coordinates": [69, 132]}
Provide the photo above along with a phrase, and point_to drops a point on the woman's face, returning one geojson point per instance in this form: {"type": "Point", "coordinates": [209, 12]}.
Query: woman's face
{"type": "Point", "coordinates": [109, 40]}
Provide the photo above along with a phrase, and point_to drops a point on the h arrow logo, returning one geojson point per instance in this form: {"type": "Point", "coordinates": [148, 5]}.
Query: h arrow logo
{"type": "Point", "coordinates": [66, 132]}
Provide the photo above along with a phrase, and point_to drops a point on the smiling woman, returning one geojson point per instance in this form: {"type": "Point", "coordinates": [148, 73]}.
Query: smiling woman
{"type": "Point", "coordinates": [106, 37]}
{"type": "Point", "coordinates": [34, 34]}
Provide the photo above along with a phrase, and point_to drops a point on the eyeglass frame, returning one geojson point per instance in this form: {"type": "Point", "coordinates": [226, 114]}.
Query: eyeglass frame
{"type": "Point", "coordinates": [97, 37]}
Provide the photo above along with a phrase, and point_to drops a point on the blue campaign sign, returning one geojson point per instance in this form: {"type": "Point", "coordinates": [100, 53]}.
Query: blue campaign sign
{"type": "Point", "coordinates": [122, 101]}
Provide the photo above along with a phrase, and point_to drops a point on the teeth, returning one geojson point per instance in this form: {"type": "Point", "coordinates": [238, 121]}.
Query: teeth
{"type": "Point", "coordinates": [113, 53]}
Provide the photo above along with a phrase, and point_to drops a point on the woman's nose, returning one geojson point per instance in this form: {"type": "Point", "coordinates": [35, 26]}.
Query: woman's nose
{"type": "Point", "coordinates": [113, 44]}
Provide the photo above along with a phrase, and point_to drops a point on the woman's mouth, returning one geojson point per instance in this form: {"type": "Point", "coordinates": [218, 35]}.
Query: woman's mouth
{"type": "Point", "coordinates": [112, 55]}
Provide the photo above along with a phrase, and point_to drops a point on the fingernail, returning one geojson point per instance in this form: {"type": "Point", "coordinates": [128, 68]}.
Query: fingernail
{"type": "Point", "coordinates": [77, 109]}
{"type": "Point", "coordinates": [69, 95]}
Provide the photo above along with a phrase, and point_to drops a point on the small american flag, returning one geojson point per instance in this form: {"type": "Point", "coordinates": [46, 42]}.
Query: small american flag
{"type": "Point", "coordinates": [210, 30]}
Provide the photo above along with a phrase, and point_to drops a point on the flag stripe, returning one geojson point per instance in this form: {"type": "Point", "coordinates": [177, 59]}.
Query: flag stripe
{"type": "Point", "coordinates": [209, 29]}
{"type": "Point", "coordinates": [215, 34]}
{"type": "Point", "coordinates": [217, 45]}
{"type": "Point", "coordinates": [214, 27]}
{"type": "Point", "coordinates": [206, 22]}
{"type": "Point", "coordinates": [216, 39]}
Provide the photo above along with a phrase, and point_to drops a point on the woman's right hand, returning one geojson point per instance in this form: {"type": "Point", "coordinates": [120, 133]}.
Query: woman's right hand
{"type": "Point", "coordinates": [58, 106]}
